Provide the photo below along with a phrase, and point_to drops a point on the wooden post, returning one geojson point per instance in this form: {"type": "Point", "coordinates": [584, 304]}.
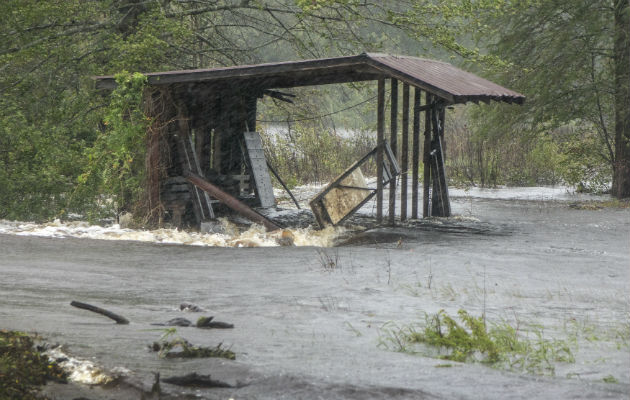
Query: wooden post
{"type": "Point", "coordinates": [426, 157]}
{"type": "Point", "coordinates": [153, 162]}
{"type": "Point", "coordinates": [441, 117]}
{"type": "Point", "coordinates": [404, 153]}
{"type": "Point", "coordinates": [415, 163]}
{"type": "Point", "coordinates": [440, 183]}
{"type": "Point", "coordinates": [393, 138]}
{"type": "Point", "coordinates": [380, 133]}
{"type": "Point", "coordinates": [250, 109]}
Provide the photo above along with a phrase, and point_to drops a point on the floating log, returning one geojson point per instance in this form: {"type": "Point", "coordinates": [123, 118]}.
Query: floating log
{"type": "Point", "coordinates": [175, 322]}
{"type": "Point", "coordinates": [119, 320]}
{"type": "Point", "coordinates": [196, 380]}
{"type": "Point", "coordinates": [208, 323]}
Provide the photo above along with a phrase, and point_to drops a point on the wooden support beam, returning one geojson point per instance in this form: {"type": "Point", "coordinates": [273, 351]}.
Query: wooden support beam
{"type": "Point", "coordinates": [250, 109]}
{"type": "Point", "coordinates": [446, 196]}
{"type": "Point", "coordinates": [441, 116]}
{"type": "Point", "coordinates": [415, 163]}
{"type": "Point", "coordinates": [393, 138]}
{"type": "Point", "coordinates": [415, 158]}
{"type": "Point", "coordinates": [426, 158]}
{"type": "Point", "coordinates": [440, 184]}
{"type": "Point", "coordinates": [380, 133]}
{"type": "Point", "coordinates": [404, 153]}
{"type": "Point", "coordinates": [440, 201]}
{"type": "Point", "coordinates": [231, 202]}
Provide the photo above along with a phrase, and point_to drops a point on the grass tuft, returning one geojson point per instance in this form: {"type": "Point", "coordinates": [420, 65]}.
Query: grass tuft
{"type": "Point", "coordinates": [470, 340]}
{"type": "Point", "coordinates": [171, 345]}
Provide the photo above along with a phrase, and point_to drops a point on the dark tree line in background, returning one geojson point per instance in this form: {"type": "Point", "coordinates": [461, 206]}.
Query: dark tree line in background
{"type": "Point", "coordinates": [570, 58]}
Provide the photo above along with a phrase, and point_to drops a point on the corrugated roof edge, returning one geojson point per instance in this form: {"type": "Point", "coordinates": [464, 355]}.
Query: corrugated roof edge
{"type": "Point", "coordinates": [446, 89]}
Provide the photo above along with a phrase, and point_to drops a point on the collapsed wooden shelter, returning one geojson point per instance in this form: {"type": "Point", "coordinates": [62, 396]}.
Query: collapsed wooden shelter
{"type": "Point", "coordinates": [226, 156]}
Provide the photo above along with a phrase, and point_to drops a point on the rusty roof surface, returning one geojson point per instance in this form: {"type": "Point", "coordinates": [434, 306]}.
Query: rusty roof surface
{"type": "Point", "coordinates": [448, 82]}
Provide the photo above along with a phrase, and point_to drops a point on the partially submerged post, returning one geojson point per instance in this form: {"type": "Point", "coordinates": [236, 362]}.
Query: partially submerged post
{"type": "Point", "coordinates": [201, 118]}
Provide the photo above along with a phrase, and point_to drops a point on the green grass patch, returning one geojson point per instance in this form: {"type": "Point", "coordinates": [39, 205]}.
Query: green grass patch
{"type": "Point", "coordinates": [22, 368]}
{"type": "Point", "coordinates": [610, 379]}
{"type": "Point", "coordinates": [471, 340]}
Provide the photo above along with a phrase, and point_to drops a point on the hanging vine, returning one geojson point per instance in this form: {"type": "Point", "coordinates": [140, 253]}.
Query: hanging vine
{"type": "Point", "coordinates": [115, 163]}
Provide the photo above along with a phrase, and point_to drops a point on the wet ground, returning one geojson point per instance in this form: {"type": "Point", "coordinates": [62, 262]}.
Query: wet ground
{"type": "Point", "coordinates": [310, 322]}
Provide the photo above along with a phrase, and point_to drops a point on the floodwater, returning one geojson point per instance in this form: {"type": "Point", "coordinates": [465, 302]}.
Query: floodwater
{"type": "Point", "coordinates": [310, 322]}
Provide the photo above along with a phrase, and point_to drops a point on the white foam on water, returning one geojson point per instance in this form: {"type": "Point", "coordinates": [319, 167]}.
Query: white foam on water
{"type": "Point", "coordinates": [533, 193]}
{"type": "Point", "coordinates": [232, 236]}
{"type": "Point", "coordinates": [83, 371]}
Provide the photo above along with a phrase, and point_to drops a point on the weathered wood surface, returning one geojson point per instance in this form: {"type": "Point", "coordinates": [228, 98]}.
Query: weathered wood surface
{"type": "Point", "coordinates": [415, 163]}
{"type": "Point", "coordinates": [259, 170]}
{"type": "Point", "coordinates": [426, 158]}
{"type": "Point", "coordinates": [393, 139]}
{"type": "Point", "coordinates": [404, 153]}
{"type": "Point", "coordinates": [84, 306]}
{"type": "Point", "coordinates": [380, 137]}
{"type": "Point", "coordinates": [441, 202]}
{"type": "Point", "coordinates": [231, 202]}
{"type": "Point", "coordinates": [342, 200]}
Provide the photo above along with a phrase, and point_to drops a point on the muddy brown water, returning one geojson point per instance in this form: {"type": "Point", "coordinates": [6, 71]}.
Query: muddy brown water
{"type": "Point", "coordinates": [311, 331]}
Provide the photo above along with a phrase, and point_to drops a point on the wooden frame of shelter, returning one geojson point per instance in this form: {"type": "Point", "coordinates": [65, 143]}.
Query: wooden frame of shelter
{"type": "Point", "coordinates": [219, 105]}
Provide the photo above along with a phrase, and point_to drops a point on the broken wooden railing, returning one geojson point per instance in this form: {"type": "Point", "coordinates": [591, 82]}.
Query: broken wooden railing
{"type": "Point", "coordinates": [349, 191]}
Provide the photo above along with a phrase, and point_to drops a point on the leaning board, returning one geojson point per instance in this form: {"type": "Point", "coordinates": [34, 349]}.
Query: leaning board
{"type": "Point", "coordinates": [258, 165]}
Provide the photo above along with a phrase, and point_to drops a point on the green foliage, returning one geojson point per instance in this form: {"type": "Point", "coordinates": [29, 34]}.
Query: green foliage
{"type": "Point", "coordinates": [50, 112]}
{"type": "Point", "coordinates": [115, 163]}
{"type": "Point", "coordinates": [559, 54]}
{"type": "Point", "coordinates": [444, 331]}
{"type": "Point", "coordinates": [610, 379]}
{"type": "Point", "coordinates": [482, 154]}
{"type": "Point", "coordinates": [470, 340]}
{"type": "Point", "coordinates": [313, 153]}
{"type": "Point", "coordinates": [22, 369]}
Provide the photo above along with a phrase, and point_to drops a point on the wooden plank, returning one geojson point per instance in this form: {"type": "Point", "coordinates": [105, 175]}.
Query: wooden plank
{"type": "Point", "coordinates": [426, 158]}
{"type": "Point", "coordinates": [380, 133]}
{"type": "Point", "coordinates": [441, 165]}
{"type": "Point", "coordinates": [231, 202]}
{"type": "Point", "coordinates": [153, 171]}
{"type": "Point", "coordinates": [250, 108]}
{"type": "Point", "coordinates": [205, 202]}
{"type": "Point", "coordinates": [393, 138]}
{"type": "Point", "coordinates": [415, 163]}
{"type": "Point", "coordinates": [441, 117]}
{"type": "Point", "coordinates": [259, 171]}
{"type": "Point", "coordinates": [404, 153]}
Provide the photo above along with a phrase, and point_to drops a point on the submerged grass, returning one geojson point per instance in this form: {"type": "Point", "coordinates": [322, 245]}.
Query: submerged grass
{"type": "Point", "coordinates": [470, 340]}
{"type": "Point", "coordinates": [22, 368]}
{"type": "Point", "coordinates": [601, 204]}
{"type": "Point", "coordinates": [171, 345]}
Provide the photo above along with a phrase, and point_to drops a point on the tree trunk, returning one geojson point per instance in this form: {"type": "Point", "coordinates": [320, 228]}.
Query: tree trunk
{"type": "Point", "coordinates": [621, 168]}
